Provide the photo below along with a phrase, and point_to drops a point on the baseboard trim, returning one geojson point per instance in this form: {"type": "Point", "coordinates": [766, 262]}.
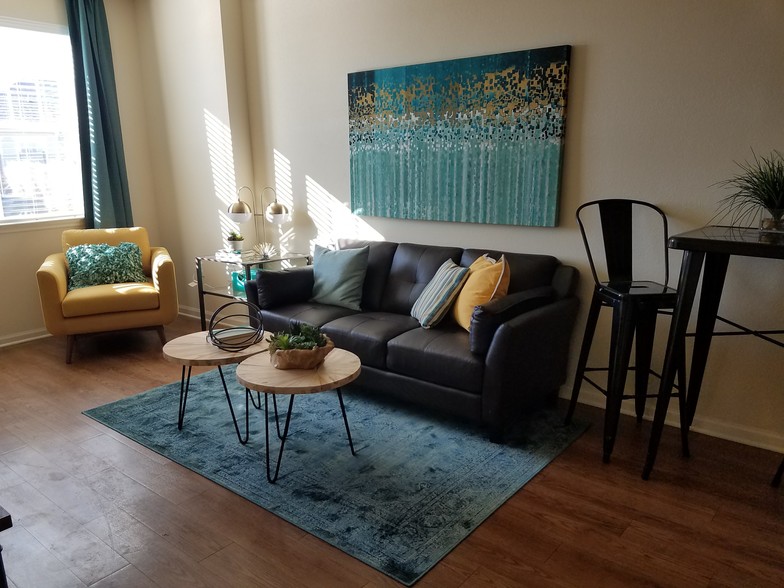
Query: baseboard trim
{"type": "Point", "coordinates": [23, 337]}
{"type": "Point", "coordinates": [753, 436]}
{"type": "Point", "coordinates": [26, 336]}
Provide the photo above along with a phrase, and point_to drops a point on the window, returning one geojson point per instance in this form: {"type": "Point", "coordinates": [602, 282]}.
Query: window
{"type": "Point", "coordinates": [40, 168]}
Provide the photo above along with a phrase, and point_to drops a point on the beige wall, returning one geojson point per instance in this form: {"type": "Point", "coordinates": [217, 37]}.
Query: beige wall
{"type": "Point", "coordinates": [663, 98]}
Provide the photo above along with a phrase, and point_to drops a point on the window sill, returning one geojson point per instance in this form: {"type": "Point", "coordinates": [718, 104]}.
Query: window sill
{"type": "Point", "coordinates": [41, 225]}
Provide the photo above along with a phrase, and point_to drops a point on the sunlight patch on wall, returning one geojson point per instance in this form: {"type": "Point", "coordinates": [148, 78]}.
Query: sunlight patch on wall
{"type": "Point", "coordinates": [285, 195]}
{"type": "Point", "coordinates": [333, 218]}
{"type": "Point", "coordinates": [283, 179]}
{"type": "Point", "coordinates": [222, 164]}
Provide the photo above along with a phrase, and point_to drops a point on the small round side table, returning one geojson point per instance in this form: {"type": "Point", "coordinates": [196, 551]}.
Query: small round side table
{"type": "Point", "coordinates": [339, 368]}
{"type": "Point", "coordinates": [196, 350]}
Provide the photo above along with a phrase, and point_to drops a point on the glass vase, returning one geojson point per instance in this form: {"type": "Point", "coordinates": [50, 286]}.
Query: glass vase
{"type": "Point", "coordinates": [772, 224]}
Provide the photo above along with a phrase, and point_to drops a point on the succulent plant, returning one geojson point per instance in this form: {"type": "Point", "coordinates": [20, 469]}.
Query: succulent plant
{"type": "Point", "coordinates": [300, 336]}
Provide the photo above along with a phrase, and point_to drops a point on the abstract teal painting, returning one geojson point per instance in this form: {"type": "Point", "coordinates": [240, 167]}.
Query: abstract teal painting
{"type": "Point", "coordinates": [477, 140]}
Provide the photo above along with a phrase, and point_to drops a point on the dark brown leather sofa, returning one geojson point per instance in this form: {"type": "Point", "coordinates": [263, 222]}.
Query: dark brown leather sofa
{"type": "Point", "coordinates": [513, 360]}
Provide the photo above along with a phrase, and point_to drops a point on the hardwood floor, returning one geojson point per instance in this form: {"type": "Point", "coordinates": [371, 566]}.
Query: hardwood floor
{"type": "Point", "coordinates": [92, 508]}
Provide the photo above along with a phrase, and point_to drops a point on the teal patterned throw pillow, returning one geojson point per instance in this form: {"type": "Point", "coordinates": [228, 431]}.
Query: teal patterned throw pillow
{"type": "Point", "coordinates": [92, 265]}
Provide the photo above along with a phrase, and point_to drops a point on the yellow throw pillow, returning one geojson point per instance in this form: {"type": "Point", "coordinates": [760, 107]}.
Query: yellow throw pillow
{"type": "Point", "coordinates": [487, 280]}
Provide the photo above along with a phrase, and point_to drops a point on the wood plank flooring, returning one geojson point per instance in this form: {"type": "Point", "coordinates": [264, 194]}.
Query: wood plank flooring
{"type": "Point", "coordinates": [92, 508]}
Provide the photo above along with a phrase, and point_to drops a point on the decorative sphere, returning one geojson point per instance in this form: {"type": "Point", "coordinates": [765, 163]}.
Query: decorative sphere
{"type": "Point", "coordinates": [228, 331]}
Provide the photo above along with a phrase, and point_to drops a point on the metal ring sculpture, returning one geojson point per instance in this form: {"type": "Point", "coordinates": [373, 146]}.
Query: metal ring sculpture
{"type": "Point", "coordinates": [225, 334]}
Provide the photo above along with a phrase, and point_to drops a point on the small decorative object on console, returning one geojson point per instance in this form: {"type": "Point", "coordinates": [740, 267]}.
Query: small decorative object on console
{"type": "Point", "coordinates": [304, 347]}
{"type": "Point", "coordinates": [225, 332]}
{"type": "Point", "coordinates": [235, 240]}
{"type": "Point", "coordinates": [265, 250]}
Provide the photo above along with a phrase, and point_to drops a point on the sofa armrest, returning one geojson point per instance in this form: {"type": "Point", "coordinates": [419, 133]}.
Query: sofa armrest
{"type": "Point", "coordinates": [52, 279]}
{"type": "Point", "coordinates": [165, 281]}
{"type": "Point", "coordinates": [527, 361]}
{"type": "Point", "coordinates": [488, 317]}
{"type": "Point", "coordinates": [273, 288]}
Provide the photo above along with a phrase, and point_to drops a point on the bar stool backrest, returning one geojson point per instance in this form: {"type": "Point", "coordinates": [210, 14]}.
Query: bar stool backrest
{"type": "Point", "coordinates": [628, 238]}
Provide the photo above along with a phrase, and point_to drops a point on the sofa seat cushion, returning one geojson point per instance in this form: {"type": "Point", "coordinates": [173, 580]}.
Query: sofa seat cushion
{"type": "Point", "coordinates": [367, 334]}
{"type": "Point", "coordinates": [105, 298]}
{"type": "Point", "coordinates": [312, 313]}
{"type": "Point", "coordinates": [440, 355]}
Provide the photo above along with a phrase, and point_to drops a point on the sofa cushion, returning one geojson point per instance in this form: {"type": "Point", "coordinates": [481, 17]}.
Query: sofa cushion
{"type": "Point", "coordinates": [440, 356]}
{"type": "Point", "coordinates": [379, 264]}
{"type": "Point", "coordinates": [413, 266]}
{"type": "Point", "coordinates": [338, 276]}
{"type": "Point", "coordinates": [439, 294]}
{"type": "Point", "coordinates": [282, 318]}
{"type": "Point", "coordinates": [488, 279]}
{"type": "Point", "coordinates": [281, 287]}
{"type": "Point", "coordinates": [95, 264]}
{"type": "Point", "coordinates": [527, 270]}
{"type": "Point", "coordinates": [366, 334]}
{"type": "Point", "coordinates": [106, 298]}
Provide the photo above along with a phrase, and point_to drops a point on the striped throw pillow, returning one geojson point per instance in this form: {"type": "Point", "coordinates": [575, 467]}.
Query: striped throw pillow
{"type": "Point", "coordinates": [439, 294]}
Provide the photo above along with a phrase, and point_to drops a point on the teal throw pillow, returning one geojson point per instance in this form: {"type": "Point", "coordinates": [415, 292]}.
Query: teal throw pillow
{"type": "Point", "coordinates": [338, 276]}
{"type": "Point", "coordinates": [93, 265]}
{"type": "Point", "coordinates": [439, 294]}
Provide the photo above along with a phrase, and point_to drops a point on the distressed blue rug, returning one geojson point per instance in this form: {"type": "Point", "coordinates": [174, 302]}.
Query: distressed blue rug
{"type": "Point", "coordinates": [418, 485]}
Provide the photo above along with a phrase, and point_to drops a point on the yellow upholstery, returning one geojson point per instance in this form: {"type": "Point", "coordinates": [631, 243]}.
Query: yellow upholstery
{"type": "Point", "coordinates": [487, 280]}
{"type": "Point", "coordinates": [110, 307]}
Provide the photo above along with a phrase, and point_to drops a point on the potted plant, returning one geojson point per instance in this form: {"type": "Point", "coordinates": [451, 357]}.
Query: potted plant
{"type": "Point", "coordinates": [235, 240]}
{"type": "Point", "coordinates": [303, 347]}
{"type": "Point", "coordinates": [758, 190]}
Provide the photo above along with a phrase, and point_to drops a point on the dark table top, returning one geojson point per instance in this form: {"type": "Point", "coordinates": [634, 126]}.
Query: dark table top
{"type": "Point", "coordinates": [731, 241]}
{"type": "Point", "coordinates": [5, 519]}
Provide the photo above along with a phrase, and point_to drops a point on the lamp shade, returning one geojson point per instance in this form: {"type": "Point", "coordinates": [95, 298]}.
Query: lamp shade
{"type": "Point", "coordinates": [277, 213]}
{"type": "Point", "coordinates": [240, 212]}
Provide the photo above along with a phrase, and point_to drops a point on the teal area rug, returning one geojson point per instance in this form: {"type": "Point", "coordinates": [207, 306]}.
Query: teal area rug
{"type": "Point", "coordinates": [418, 485]}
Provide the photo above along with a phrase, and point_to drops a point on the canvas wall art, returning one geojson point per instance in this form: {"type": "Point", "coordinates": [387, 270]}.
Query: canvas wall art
{"type": "Point", "coordinates": [476, 140]}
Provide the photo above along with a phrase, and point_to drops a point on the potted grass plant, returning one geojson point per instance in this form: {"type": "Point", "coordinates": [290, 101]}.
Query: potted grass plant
{"type": "Point", "coordinates": [758, 193]}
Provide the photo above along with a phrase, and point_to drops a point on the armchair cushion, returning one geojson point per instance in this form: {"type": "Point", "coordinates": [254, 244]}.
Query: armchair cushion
{"type": "Point", "coordinates": [107, 298]}
{"type": "Point", "coordinates": [98, 264]}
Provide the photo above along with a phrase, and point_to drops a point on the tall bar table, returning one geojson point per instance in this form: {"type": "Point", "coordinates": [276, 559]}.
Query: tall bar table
{"type": "Point", "coordinates": [713, 246]}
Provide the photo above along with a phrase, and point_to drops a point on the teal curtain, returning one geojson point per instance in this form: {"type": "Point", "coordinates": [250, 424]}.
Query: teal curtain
{"type": "Point", "coordinates": [107, 201]}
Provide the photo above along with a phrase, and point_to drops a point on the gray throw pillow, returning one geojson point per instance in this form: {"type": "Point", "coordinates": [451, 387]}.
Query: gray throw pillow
{"type": "Point", "coordinates": [338, 276]}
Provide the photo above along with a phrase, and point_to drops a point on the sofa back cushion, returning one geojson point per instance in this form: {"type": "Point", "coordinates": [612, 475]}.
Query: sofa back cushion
{"type": "Point", "coordinates": [379, 263]}
{"type": "Point", "coordinates": [527, 270]}
{"type": "Point", "coordinates": [413, 266]}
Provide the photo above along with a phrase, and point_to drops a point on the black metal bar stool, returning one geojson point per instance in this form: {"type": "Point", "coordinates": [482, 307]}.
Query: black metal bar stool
{"type": "Point", "coordinates": [5, 523]}
{"type": "Point", "coordinates": [628, 231]}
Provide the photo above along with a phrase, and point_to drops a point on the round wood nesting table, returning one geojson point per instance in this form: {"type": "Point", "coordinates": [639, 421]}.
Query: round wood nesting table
{"type": "Point", "coordinates": [339, 368]}
{"type": "Point", "coordinates": [195, 349]}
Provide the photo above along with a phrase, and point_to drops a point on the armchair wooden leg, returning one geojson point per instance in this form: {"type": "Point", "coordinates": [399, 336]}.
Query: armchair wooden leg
{"type": "Point", "coordinates": [161, 334]}
{"type": "Point", "coordinates": [70, 343]}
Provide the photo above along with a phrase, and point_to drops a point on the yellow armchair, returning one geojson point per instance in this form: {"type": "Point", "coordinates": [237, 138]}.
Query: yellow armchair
{"type": "Point", "coordinates": [107, 307]}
